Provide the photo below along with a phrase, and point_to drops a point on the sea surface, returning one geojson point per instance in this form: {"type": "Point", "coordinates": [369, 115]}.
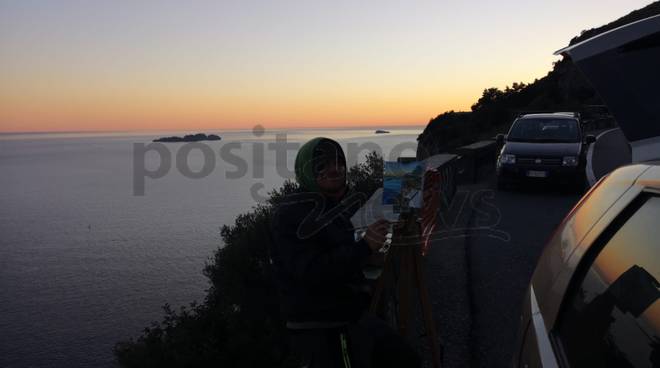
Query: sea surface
{"type": "Point", "coordinates": [88, 258]}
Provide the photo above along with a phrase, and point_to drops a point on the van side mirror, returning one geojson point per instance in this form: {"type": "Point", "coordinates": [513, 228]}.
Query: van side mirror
{"type": "Point", "coordinates": [500, 138]}
{"type": "Point", "coordinates": [589, 139]}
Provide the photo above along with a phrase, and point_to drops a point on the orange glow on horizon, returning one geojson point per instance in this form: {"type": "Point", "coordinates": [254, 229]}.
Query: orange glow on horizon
{"type": "Point", "coordinates": [223, 65]}
{"type": "Point", "coordinates": [55, 104]}
{"type": "Point", "coordinates": [88, 110]}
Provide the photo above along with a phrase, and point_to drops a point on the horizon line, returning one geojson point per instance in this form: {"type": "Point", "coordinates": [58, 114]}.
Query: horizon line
{"type": "Point", "coordinates": [199, 130]}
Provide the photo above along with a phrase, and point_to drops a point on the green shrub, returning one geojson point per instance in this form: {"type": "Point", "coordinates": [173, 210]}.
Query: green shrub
{"type": "Point", "coordinates": [238, 324]}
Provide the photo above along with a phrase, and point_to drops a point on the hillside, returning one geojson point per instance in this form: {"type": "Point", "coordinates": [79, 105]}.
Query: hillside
{"type": "Point", "coordinates": [564, 88]}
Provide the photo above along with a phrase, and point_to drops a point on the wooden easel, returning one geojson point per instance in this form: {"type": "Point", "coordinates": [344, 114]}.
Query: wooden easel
{"type": "Point", "coordinates": [404, 258]}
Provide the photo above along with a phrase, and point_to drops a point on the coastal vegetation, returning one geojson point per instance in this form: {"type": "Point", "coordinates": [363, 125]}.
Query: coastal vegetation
{"type": "Point", "coordinates": [238, 323]}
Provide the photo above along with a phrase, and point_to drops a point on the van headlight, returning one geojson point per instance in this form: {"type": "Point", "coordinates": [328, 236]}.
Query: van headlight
{"type": "Point", "coordinates": [507, 159]}
{"type": "Point", "coordinates": [569, 161]}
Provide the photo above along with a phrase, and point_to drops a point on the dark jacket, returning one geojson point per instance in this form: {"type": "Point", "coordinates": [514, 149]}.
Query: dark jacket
{"type": "Point", "coordinates": [317, 261]}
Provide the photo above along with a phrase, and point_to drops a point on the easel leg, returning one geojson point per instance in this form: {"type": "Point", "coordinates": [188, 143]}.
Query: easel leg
{"type": "Point", "coordinates": [380, 285]}
{"type": "Point", "coordinates": [404, 291]}
{"type": "Point", "coordinates": [427, 313]}
{"type": "Point", "coordinates": [405, 260]}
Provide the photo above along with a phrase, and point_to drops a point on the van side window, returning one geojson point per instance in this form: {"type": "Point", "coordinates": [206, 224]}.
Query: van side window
{"type": "Point", "coordinates": [612, 317]}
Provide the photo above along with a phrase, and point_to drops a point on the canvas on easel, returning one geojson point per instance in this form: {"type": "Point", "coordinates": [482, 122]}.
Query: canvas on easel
{"type": "Point", "coordinates": [413, 190]}
{"type": "Point", "coordinates": [402, 185]}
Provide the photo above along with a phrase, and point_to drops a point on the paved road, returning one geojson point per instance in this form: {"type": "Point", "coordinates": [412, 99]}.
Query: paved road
{"type": "Point", "coordinates": [499, 269]}
{"type": "Point", "coordinates": [476, 286]}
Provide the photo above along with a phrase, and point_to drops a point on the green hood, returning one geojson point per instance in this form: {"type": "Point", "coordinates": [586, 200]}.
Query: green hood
{"type": "Point", "coordinates": [305, 163]}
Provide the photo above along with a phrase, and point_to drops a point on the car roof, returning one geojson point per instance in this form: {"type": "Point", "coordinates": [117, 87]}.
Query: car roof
{"type": "Point", "coordinates": [550, 115]}
{"type": "Point", "coordinates": [651, 177]}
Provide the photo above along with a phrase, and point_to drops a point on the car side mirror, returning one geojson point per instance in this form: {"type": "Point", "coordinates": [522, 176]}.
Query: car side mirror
{"type": "Point", "coordinates": [589, 139]}
{"type": "Point", "coordinates": [500, 138]}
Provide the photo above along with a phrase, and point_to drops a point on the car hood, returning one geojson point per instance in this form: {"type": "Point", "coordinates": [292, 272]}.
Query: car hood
{"type": "Point", "coordinates": [622, 65]}
{"type": "Point", "coordinates": [542, 149]}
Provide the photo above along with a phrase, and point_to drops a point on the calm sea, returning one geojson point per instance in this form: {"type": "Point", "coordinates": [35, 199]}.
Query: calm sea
{"type": "Point", "coordinates": [85, 262]}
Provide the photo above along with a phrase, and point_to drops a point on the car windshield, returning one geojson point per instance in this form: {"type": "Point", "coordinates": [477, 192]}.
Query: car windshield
{"type": "Point", "coordinates": [544, 130]}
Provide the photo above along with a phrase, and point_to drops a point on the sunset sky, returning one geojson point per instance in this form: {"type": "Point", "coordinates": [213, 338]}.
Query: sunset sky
{"type": "Point", "coordinates": [142, 65]}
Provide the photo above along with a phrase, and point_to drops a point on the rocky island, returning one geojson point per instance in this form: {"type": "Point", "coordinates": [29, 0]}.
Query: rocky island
{"type": "Point", "coordinates": [381, 131]}
{"type": "Point", "coordinates": [199, 137]}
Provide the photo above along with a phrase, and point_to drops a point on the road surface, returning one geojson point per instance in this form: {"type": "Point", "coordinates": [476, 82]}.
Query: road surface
{"type": "Point", "coordinates": [499, 269]}
{"type": "Point", "coordinates": [478, 276]}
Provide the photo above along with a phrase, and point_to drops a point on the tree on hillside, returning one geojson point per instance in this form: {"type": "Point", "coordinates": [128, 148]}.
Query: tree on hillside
{"type": "Point", "coordinates": [564, 88]}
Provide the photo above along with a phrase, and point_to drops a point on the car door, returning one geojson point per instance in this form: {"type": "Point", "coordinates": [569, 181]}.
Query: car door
{"type": "Point", "coordinates": [610, 314]}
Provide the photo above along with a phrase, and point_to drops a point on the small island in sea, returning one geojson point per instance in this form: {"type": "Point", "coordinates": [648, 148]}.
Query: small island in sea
{"type": "Point", "coordinates": [189, 138]}
{"type": "Point", "coordinates": [381, 131]}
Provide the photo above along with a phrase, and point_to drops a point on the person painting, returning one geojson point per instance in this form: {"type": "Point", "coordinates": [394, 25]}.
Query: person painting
{"type": "Point", "coordinates": [318, 263]}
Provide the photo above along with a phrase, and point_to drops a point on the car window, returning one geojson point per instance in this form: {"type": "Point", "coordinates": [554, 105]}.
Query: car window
{"type": "Point", "coordinates": [544, 130]}
{"type": "Point", "coordinates": [612, 317]}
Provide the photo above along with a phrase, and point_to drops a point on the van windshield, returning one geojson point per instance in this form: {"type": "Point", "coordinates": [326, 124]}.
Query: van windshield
{"type": "Point", "coordinates": [545, 130]}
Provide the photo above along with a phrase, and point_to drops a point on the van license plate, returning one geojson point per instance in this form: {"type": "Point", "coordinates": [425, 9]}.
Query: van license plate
{"type": "Point", "coordinates": [537, 174]}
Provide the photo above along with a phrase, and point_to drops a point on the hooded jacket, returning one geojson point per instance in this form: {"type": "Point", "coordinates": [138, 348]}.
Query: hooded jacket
{"type": "Point", "coordinates": [317, 261]}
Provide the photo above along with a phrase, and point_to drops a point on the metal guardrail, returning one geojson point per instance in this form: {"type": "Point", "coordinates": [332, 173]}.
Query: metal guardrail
{"type": "Point", "coordinates": [447, 167]}
{"type": "Point", "coordinates": [590, 125]}
{"type": "Point", "coordinates": [474, 157]}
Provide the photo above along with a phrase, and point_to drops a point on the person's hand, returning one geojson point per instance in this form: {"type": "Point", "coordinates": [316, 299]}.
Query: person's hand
{"type": "Point", "coordinates": [376, 234]}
